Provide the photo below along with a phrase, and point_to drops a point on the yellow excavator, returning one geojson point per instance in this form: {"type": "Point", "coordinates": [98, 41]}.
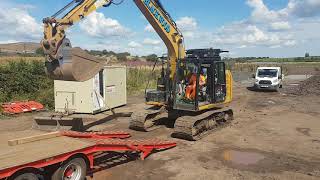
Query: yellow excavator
{"type": "Point", "coordinates": [194, 89]}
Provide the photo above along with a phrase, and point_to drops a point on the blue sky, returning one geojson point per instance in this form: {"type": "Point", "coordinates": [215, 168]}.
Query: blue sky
{"type": "Point", "coordinates": [276, 28]}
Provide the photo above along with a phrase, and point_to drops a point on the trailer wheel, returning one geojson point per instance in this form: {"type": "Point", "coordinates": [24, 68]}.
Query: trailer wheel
{"type": "Point", "coordinates": [75, 169]}
{"type": "Point", "coordinates": [27, 176]}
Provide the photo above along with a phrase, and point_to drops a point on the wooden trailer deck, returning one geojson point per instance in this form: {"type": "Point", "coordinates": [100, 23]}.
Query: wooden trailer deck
{"type": "Point", "coordinates": [11, 156]}
{"type": "Point", "coordinates": [34, 150]}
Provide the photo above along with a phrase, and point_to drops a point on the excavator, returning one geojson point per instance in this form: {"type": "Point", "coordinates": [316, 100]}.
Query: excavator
{"type": "Point", "coordinates": [194, 90]}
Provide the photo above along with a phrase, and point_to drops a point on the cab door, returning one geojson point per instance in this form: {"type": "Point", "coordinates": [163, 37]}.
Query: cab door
{"type": "Point", "coordinates": [220, 87]}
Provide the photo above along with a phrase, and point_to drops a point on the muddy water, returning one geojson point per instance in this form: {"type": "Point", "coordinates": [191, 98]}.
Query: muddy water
{"type": "Point", "coordinates": [264, 162]}
{"type": "Point", "coordinates": [242, 158]}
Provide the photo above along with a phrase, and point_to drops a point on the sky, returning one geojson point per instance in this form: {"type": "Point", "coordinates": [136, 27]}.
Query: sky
{"type": "Point", "coordinates": [272, 28]}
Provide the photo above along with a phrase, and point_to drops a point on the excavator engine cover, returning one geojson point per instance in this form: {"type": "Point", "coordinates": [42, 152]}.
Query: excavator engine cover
{"type": "Point", "coordinates": [72, 64]}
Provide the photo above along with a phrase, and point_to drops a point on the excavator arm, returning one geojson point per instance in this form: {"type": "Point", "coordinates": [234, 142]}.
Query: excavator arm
{"type": "Point", "coordinates": [62, 61]}
{"type": "Point", "coordinates": [166, 28]}
{"type": "Point", "coordinates": [66, 63]}
{"type": "Point", "coordinates": [54, 28]}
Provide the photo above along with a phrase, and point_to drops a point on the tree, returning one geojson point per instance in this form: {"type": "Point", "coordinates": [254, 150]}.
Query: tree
{"type": "Point", "coordinates": [123, 56]}
{"type": "Point", "coordinates": [39, 51]}
{"type": "Point", "coordinates": [307, 55]}
{"type": "Point", "coordinates": [104, 52]}
{"type": "Point", "coordinates": [152, 57]}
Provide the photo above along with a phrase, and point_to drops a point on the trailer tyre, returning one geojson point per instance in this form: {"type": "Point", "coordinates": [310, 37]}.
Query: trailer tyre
{"type": "Point", "coordinates": [26, 176]}
{"type": "Point", "coordinates": [75, 169]}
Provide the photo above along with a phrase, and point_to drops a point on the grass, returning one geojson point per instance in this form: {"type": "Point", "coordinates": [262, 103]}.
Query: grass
{"type": "Point", "coordinates": [286, 66]}
{"type": "Point", "coordinates": [7, 59]}
{"type": "Point", "coordinates": [138, 77]}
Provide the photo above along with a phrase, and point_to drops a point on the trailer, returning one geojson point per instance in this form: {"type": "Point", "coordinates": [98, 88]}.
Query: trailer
{"type": "Point", "coordinates": [65, 154]}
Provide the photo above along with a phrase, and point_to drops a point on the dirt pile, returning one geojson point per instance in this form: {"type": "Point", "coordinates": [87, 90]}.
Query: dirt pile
{"type": "Point", "coordinates": [310, 86]}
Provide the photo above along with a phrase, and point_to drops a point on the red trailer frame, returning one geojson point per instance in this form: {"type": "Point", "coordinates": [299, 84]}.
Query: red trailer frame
{"type": "Point", "coordinates": [103, 142]}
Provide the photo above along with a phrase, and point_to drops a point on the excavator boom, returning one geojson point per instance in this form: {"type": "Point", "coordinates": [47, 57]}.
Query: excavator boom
{"type": "Point", "coordinates": [74, 64]}
{"type": "Point", "coordinates": [166, 28]}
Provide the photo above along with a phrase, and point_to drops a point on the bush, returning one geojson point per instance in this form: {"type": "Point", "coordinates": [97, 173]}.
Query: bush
{"type": "Point", "coordinates": [21, 80]}
{"type": "Point", "coordinates": [40, 51]}
{"type": "Point", "coordinates": [152, 57]}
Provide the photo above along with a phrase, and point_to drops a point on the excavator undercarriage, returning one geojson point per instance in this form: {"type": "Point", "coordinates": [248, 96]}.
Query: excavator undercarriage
{"type": "Point", "coordinates": [190, 126]}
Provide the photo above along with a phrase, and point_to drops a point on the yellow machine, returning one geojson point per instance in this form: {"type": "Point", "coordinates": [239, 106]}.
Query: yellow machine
{"type": "Point", "coordinates": [193, 91]}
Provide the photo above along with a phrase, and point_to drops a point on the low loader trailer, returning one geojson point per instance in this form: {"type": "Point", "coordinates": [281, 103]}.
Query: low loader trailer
{"type": "Point", "coordinates": [65, 154]}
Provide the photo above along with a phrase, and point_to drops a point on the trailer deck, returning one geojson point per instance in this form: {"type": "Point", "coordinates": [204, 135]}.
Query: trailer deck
{"type": "Point", "coordinates": [46, 152]}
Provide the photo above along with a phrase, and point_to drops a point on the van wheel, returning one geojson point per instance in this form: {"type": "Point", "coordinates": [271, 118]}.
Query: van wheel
{"type": "Point", "coordinates": [75, 169]}
{"type": "Point", "coordinates": [26, 176]}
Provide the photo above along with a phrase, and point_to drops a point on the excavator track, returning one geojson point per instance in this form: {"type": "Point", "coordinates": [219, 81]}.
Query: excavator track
{"type": "Point", "coordinates": [147, 120]}
{"type": "Point", "coordinates": [196, 127]}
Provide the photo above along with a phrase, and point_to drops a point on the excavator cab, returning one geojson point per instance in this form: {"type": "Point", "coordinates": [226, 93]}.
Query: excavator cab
{"type": "Point", "coordinates": [200, 80]}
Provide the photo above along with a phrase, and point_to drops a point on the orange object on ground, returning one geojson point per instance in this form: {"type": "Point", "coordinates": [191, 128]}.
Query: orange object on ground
{"type": "Point", "coordinates": [21, 107]}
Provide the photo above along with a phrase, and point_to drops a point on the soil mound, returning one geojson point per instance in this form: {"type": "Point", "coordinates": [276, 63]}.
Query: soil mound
{"type": "Point", "coordinates": [310, 86]}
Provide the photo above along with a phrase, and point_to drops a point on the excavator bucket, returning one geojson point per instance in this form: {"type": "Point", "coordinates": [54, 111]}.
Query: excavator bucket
{"type": "Point", "coordinates": [72, 64]}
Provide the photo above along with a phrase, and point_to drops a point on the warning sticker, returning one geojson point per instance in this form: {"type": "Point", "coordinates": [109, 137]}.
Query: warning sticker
{"type": "Point", "coordinates": [111, 89]}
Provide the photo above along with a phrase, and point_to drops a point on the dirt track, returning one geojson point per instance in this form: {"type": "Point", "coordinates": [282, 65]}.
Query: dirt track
{"type": "Point", "coordinates": [274, 136]}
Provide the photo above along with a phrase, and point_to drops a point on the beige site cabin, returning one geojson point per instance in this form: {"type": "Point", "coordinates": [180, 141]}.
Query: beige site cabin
{"type": "Point", "coordinates": [105, 91]}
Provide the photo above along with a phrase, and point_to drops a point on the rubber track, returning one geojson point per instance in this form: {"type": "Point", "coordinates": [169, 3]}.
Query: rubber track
{"type": "Point", "coordinates": [184, 125]}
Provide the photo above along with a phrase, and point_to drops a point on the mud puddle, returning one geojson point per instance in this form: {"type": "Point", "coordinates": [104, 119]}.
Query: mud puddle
{"type": "Point", "coordinates": [242, 158]}
{"type": "Point", "coordinates": [265, 162]}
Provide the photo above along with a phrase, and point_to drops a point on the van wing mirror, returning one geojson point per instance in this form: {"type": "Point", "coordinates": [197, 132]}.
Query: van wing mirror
{"type": "Point", "coordinates": [281, 76]}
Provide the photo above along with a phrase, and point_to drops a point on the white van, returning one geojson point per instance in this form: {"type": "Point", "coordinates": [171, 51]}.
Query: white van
{"type": "Point", "coordinates": [268, 78]}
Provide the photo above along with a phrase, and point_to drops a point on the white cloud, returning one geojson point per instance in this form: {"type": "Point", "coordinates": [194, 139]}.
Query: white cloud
{"type": "Point", "coordinates": [279, 26]}
{"type": "Point", "coordinates": [188, 26]}
{"type": "Point", "coordinates": [187, 23]}
{"type": "Point", "coordinates": [244, 35]}
{"type": "Point", "coordinates": [19, 24]}
{"type": "Point", "coordinates": [293, 27]}
{"type": "Point", "coordinates": [151, 42]}
{"type": "Point", "coordinates": [149, 28]}
{"type": "Point", "coordinates": [134, 44]}
{"type": "Point", "coordinates": [290, 43]}
{"type": "Point", "coordinates": [97, 25]}
{"type": "Point", "coordinates": [8, 41]}
{"type": "Point", "coordinates": [261, 12]}
{"type": "Point", "coordinates": [304, 8]}
{"type": "Point", "coordinates": [107, 45]}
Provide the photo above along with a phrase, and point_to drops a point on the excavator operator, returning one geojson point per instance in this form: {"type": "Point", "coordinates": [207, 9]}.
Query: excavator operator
{"type": "Point", "coordinates": [191, 88]}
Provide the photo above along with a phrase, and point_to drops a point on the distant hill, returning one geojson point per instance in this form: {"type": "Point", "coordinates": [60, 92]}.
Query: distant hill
{"type": "Point", "coordinates": [20, 47]}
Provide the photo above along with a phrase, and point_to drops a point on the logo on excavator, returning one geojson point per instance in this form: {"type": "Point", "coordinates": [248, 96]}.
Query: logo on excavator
{"type": "Point", "coordinates": [157, 15]}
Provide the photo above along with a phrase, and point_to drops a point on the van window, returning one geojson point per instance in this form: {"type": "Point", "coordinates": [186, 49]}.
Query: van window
{"type": "Point", "coordinates": [267, 72]}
